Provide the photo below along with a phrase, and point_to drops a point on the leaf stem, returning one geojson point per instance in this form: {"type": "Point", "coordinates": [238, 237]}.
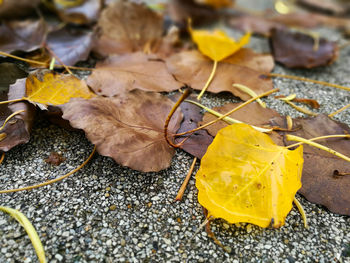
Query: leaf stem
{"type": "Point", "coordinates": [228, 113]}
{"type": "Point", "coordinates": [33, 235]}
{"type": "Point", "coordinates": [308, 80]}
{"type": "Point", "coordinates": [182, 189]}
{"type": "Point", "coordinates": [249, 92]}
{"type": "Point", "coordinates": [51, 181]}
{"type": "Point", "coordinates": [10, 117]}
{"type": "Point", "coordinates": [2, 157]}
{"type": "Point", "coordinates": [301, 109]}
{"type": "Point", "coordinates": [11, 101]}
{"type": "Point", "coordinates": [184, 95]}
{"type": "Point", "coordinates": [290, 137]}
{"type": "Point", "coordinates": [320, 138]}
{"type": "Point", "coordinates": [301, 211]}
{"type": "Point", "coordinates": [228, 120]}
{"type": "Point", "coordinates": [338, 111]}
{"type": "Point", "coordinates": [209, 80]}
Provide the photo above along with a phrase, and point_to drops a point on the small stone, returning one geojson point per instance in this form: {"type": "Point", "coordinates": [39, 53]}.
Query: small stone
{"type": "Point", "coordinates": [122, 242]}
{"type": "Point", "coordinates": [109, 242]}
{"type": "Point", "coordinates": [59, 257]}
{"type": "Point", "coordinates": [113, 207]}
{"type": "Point", "coordinates": [249, 228]}
{"type": "Point", "coordinates": [167, 241]}
{"type": "Point", "coordinates": [226, 226]}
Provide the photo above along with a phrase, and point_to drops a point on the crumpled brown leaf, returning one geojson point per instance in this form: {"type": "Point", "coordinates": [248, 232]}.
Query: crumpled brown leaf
{"type": "Point", "coordinates": [319, 184]}
{"type": "Point", "coordinates": [198, 142]}
{"type": "Point", "coordinates": [297, 50]}
{"type": "Point", "coordinates": [252, 114]}
{"type": "Point", "coordinates": [25, 35]}
{"type": "Point", "coordinates": [129, 129]}
{"type": "Point", "coordinates": [120, 74]}
{"type": "Point", "coordinates": [14, 9]}
{"type": "Point", "coordinates": [192, 68]}
{"type": "Point", "coordinates": [70, 45]}
{"type": "Point", "coordinates": [127, 27]}
{"type": "Point", "coordinates": [17, 130]}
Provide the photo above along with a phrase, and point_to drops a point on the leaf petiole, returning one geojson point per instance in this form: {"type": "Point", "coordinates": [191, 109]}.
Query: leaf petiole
{"type": "Point", "coordinates": [208, 81]}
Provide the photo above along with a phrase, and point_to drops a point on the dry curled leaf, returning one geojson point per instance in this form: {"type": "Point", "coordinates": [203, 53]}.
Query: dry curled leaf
{"type": "Point", "coordinates": [25, 35]}
{"type": "Point", "coordinates": [298, 50]}
{"type": "Point", "coordinates": [245, 177]}
{"type": "Point", "coordinates": [193, 68]}
{"type": "Point", "coordinates": [198, 142]}
{"type": "Point", "coordinates": [120, 74]}
{"type": "Point", "coordinates": [48, 88]}
{"type": "Point", "coordinates": [17, 130]}
{"type": "Point", "coordinates": [320, 186]}
{"type": "Point", "coordinates": [70, 45]}
{"type": "Point", "coordinates": [129, 129]}
{"type": "Point", "coordinates": [127, 27]}
{"type": "Point", "coordinates": [55, 159]}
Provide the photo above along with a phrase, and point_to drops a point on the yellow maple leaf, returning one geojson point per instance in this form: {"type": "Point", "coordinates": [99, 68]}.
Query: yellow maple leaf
{"type": "Point", "coordinates": [55, 89]}
{"type": "Point", "coordinates": [217, 45]}
{"type": "Point", "coordinates": [245, 177]}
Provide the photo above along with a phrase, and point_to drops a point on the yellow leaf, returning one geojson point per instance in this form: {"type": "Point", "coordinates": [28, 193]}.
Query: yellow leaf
{"type": "Point", "coordinates": [55, 89]}
{"type": "Point", "coordinates": [245, 177]}
{"type": "Point", "coordinates": [217, 45]}
{"type": "Point", "coordinates": [33, 235]}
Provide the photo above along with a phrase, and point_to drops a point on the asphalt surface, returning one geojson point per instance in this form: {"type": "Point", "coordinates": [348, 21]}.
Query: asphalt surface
{"type": "Point", "coordinates": [109, 213]}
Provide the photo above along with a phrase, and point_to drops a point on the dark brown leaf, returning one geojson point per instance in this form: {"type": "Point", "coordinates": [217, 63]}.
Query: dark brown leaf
{"type": "Point", "coordinates": [120, 74]}
{"type": "Point", "coordinates": [127, 27]}
{"type": "Point", "coordinates": [25, 35]}
{"type": "Point", "coordinates": [17, 130]}
{"type": "Point", "coordinates": [14, 9]}
{"type": "Point", "coordinates": [199, 141]}
{"type": "Point", "coordinates": [129, 129]}
{"type": "Point", "coordinates": [70, 45]}
{"type": "Point", "coordinates": [297, 50]}
{"type": "Point", "coordinates": [320, 186]}
{"type": "Point", "coordinates": [193, 68]}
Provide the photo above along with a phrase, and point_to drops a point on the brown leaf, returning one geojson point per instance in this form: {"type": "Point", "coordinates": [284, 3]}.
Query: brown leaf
{"type": "Point", "coordinates": [129, 129]}
{"type": "Point", "coordinates": [127, 27]}
{"type": "Point", "coordinates": [320, 186]}
{"type": "Point", "coordinates": [199, 141]}
{"type": "Point", "coordinates": [252, 114]}
{"type": "Point", "coordinates": [55, 158]}
{"type": "Point", "coordinates": [325, 6]}
{"type": "Point", "coordinates": [14, 9]}
{"type": "Point", "coordinates": [24, 35]}
{"type": "Point", "coordinates": [17, 130]}
{"type": "Point", "coordinates": [120, 74]}
{"type": "Point", "coordinates": [86, 13]}
{"type": "Point", "coordinates": [192, 68]}
{"type": "Point", "coordinates": [297, 50]}
{"type": "Point", "coordinates": [70, 45]}
{"type": "Point", "coordinates": [248, 58]}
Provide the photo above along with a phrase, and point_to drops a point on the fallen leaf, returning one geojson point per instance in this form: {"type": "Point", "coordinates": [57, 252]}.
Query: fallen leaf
{"type": "Point", "coordinates": [43, 88]}
{"type": "Point", "coordinates": [297, 50]}
{"type": "Point", "coordinates": [245, 177]}
{"type": "Point", "coordinates": [199, 141]}
{"type": "Point", "coordinates": [17, 130]}
{"type": "Point", "coordinates": [320, 186]}
{"type": "Point", "coordinates": [193, 68]}
{"type": "Point", "coordinates": [248, 58]}
{"type": "Point", "coordinates": [25, 35]}
{"type": "Point", "coordinates": [15, 9]}
{"type": "Point", "coordinates": [120, 74]}
{"type": "Point", "coordinates": [129, 129]}
{"type": "Point", "coordinates": [216, 3]}
{"type": "Point", "coordinates": [55, 159]}
{"type": "Point", "coordinates": [181, 10]}
{"type": "Point", "coordinates": [70, 45]}
{"type": "Point", "coordinates": [217, 45]}
{"type": "Point", "coordinates": [86, 12]}
{"type": "Point", "coordinates": [325, 6]}
{"type": "Point", "coordinates": [311, 102]}
{"type": "Point", "coordinates": [252, 114]}
{"type": "Point", "coordinates": [127, 27]}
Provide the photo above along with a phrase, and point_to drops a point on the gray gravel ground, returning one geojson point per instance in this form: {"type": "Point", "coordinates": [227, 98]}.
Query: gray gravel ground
{"type": "Point", "coordinates": [109, 213]}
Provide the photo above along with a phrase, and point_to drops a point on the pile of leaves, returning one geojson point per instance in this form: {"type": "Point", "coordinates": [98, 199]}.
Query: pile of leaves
{"type": "Point", "coordinates": [134, 55]}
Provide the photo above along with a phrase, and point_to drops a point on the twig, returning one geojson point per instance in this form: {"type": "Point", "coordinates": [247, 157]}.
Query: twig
{"type": "Point", "coordinates": [182, 189]}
